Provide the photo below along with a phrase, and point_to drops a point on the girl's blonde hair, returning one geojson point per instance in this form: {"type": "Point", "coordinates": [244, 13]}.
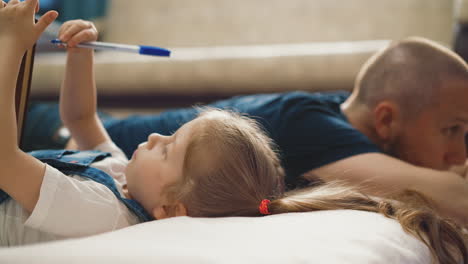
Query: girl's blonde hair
{"type": "Point", "coordinates": [231, 165]}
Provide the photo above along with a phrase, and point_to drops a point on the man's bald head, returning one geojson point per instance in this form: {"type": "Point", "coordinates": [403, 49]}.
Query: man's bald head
{"type": "Point", "coordinates": [410, 73]}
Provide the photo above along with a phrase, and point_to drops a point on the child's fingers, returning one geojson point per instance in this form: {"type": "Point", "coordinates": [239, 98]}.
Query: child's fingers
{"type": "Point", "coordinates": [63, 29]}
{"type": "Point", "coordinates": [33, 4]}
{"type": "Point", "coordinates": [45, 21]}
{"type": "Point", "coordinates": [72, 28]}
{"type": "Point", "coordinates": [82, 36]}
{"type": "Point", "coordinates": [13, 2]}
{"type": "Point", "coordinates": [69, 33]}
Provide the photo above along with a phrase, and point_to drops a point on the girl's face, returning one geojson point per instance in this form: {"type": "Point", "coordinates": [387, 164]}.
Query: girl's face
{"type": "Point", "coordinates": [157, 163]}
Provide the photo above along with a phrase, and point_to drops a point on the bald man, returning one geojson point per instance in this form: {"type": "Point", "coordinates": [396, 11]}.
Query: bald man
{"type": "Point", "coordinates": [402, 127]}
{"type": "Point", "coordinates": [411, 101]}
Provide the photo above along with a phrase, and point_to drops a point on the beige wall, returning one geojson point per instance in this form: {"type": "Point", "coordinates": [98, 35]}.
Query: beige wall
{"type": "Point", "coordinates": [191, 23]}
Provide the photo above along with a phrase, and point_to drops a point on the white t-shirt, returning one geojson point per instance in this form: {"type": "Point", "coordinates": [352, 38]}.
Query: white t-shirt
{"type": "Point", "coordinates": [69, 206]}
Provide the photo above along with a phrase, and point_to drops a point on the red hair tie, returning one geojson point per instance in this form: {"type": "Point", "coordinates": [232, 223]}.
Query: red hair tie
{"type": "Point", "coordinates": [263, 208]}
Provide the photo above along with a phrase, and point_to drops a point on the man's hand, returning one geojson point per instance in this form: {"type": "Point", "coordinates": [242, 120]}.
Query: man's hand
{"type": "Point", "coordinates": [461, 170]}
{"type": "Point", "coordinates": [18, 30]}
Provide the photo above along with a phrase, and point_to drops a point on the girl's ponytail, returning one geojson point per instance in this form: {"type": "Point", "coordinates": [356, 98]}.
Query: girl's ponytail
{"type": "Point", "coordinates": [444, 238]}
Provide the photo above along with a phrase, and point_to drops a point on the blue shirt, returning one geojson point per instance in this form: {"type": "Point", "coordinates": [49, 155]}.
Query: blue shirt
{"type": "Point", "coordinates": [309, 128]}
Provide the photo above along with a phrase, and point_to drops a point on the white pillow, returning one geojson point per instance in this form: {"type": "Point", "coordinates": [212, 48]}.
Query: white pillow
{"type": "Point", "coordinates": [341, 236]}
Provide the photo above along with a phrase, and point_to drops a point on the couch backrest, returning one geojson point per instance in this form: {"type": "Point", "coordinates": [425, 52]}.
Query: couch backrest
{"type": "Point", "coordinates": [191, 23]}
{"type": "Point", "coordinates": [462, 11]}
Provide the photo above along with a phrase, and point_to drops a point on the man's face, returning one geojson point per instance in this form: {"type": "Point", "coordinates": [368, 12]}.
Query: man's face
{"type": "Point", "coordinates": [436, 138]}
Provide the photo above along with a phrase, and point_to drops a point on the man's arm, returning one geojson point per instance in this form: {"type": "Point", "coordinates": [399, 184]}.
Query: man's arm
{"type": "Point", "coordinates": [78, 92]}
{"type": "Point", "coordinates": [381, 175]}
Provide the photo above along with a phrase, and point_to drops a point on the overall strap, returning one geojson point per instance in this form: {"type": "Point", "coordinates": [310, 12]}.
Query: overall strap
{"type": "Point", "coordinates": [71, 162]}
{"type": "Point", "coordinates": [105, 179]}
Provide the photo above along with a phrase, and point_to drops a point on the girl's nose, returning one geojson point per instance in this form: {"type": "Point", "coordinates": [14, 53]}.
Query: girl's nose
{"type": "Point", "coordinates": [154, 138]}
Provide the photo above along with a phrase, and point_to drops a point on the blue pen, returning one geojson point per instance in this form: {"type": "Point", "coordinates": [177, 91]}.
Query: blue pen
{"type": "Point", "coordinates": [140, 49]}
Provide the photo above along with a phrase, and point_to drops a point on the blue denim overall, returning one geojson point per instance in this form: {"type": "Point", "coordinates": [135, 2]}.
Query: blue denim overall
{"type": "Point", "coordinates": [72, 162]}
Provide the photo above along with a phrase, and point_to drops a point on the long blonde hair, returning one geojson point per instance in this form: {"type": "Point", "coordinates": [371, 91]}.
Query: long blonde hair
{"type": "Point", "coordinates": [231, 165]}
{"type": "Point", "coordinates": [445, 239]}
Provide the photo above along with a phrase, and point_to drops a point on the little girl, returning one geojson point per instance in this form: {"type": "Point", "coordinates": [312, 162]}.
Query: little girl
{"type": "Point", "coordinates": [219, 164]}
{"type": "Point", "coordinates": [62, 193]}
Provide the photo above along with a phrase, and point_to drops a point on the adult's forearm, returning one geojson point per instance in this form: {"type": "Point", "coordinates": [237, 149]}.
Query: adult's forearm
{"type": "Point", "coordinates": [382, 175]}
{"type": "Point", "coordinates": [449, 191]}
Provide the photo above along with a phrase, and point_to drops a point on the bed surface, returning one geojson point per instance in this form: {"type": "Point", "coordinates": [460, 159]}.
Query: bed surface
{"type": "Point", "coordinates": [341, 236]}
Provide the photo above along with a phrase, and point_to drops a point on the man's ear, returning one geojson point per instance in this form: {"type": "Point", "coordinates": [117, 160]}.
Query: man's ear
{"type": "Point", "coordinates": [387, 120]}
{"type": "Point", "coordinates": [167, 211]}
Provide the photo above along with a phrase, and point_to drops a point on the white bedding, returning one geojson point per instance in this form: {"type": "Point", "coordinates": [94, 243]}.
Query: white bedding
{"type": "Point", "coordinates": [341, 236]}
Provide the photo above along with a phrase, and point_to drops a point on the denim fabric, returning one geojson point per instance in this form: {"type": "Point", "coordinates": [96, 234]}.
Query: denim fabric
{"type": "Point", "coordinates": [42, 122]}
{"type": "Point", "coordinates": [41, 126]}
{"type": "Point", "coordinates": [78, 163]}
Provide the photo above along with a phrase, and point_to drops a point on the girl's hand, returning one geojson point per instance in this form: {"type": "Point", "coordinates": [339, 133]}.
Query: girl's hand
{"type": "Point", "coordinates": [18, 30]}
{"type": "Point", "coordinates": [74, 32]}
